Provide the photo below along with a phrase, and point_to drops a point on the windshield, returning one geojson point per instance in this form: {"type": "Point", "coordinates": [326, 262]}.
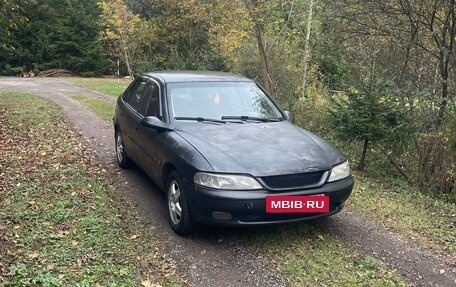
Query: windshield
{"type": "Point", "coordinates": [217, 100]}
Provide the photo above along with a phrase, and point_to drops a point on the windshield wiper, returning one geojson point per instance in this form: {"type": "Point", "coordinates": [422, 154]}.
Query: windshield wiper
{"type": "Point", "coordinates": [200, 119]}
{"type": "Point", "coordinates": [249, 118]}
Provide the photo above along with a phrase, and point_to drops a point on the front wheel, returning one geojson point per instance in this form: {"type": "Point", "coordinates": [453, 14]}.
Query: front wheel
{"type": "Point", "coordinates": [122, 159]}
{"type": "Point", "coordinates": [179, 212]}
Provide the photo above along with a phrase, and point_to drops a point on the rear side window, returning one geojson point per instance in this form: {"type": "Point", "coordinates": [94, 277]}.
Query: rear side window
{"type": "Point", "coordinates": [133, 98]}
{"type": "Point", "coordinates": [151, 102]}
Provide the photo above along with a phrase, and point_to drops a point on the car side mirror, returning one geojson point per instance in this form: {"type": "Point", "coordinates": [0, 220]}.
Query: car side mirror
{"type": "Point", "coordinates": [289, 116]}
{"type": "Point", "coordinates": [155, 123]}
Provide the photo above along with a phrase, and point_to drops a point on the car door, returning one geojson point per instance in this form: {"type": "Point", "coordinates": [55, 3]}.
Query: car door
{"type": "Point", "coordinates": [130, 117]}
{"type": "Point", "coordinates": [150, 139]}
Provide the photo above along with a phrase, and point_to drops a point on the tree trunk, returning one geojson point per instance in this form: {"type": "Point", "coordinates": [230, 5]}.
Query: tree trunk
{"type": "Point", "coordinates": [124, 43]}
{"type": "Point", "coordinates": [406, 9]}
{"type": "Point", "coordinates": [127, 62]}
{"type": "Point", "coordinates": [394, 163]}
{"type": "Point", "coordinates": [264, 69]}
{"type": "Point", "coordinates": [306, 49]}
{"type": "Point", "coordinates": [362, 161]}
{"type": "Point", "coordinates": [446, 42]}
{"type": "Point", "coordinates": [444, 100]}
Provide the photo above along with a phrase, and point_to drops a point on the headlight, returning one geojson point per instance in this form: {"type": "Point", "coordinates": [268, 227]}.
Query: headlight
{"type": "Point", "coordinates": [339, 172]}
{"type": "Point", "coordinates": [226, 181]}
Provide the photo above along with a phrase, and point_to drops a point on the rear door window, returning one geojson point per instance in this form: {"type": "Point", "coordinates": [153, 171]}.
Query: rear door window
{"type": "Point", "coordinates": [134, 97]}
{"type": "Point", "coordinates": [151, 105]}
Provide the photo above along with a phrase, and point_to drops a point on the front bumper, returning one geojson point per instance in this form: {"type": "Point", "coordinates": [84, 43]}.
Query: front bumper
{"type": "Point", "coordinates": [249, 207]}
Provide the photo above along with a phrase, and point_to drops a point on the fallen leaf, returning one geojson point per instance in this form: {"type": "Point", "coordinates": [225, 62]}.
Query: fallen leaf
{"type": "Point", "coordinates": [133, 237]}
{"type": "Point", "coordinates": [321, 237]}
{"type": "Point", "coordinates": [5, 270]}
{"type": "Point", "coordinates": [33, 255]}
{"type": "Point", "coordinates": [442, 271]}
{"type": "Point", "coordinates": [63, 233]}
{"type": "Point", "coordinates": [74, 243]}
{"type": "Point", "coordinates": [146, 283]}
{"type": "Point", "coordinates": [203, 252]}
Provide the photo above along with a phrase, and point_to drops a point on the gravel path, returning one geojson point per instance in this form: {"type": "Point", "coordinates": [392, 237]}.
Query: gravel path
{"type": "Point", "coordinates": [221, 257]}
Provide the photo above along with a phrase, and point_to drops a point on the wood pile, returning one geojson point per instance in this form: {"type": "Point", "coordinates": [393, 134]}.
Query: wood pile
{"type": "Point", "coordinates": [56, 73]}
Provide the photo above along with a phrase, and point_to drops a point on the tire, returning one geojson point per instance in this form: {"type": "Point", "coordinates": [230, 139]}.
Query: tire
{"type": "Point", "coordinates": [178, 208]}
{"type": "Point", "coordinates": [122, 159]}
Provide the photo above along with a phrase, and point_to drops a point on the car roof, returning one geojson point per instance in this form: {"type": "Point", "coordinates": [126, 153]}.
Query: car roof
{"type": "Point", "coordinates": [197, 76]}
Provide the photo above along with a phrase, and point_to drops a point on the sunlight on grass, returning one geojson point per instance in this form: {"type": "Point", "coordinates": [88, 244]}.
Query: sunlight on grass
{"type": "Point", "coordinates": [107, 86]}
{"type": "Point", "coordinates": [101, 108]}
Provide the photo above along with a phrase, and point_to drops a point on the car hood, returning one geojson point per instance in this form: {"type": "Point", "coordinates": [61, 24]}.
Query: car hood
{"type": "Point", "coordinates": [260, 149]}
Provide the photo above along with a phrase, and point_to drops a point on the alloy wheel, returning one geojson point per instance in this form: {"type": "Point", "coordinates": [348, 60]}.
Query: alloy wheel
{"type": "Point", "coordinates": [174, 202]}
{"type": "Point", "coordinates": [119, 148]}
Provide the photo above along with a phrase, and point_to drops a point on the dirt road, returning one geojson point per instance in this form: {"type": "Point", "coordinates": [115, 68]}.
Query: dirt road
{"type": "Point", "coordinates": [216, 256]}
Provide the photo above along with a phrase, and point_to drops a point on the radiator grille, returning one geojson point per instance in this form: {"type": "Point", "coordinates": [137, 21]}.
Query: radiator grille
{"type": "Point", "coordinates": [293, 181]}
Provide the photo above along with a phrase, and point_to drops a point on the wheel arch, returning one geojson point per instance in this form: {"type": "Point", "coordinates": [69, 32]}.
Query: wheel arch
{"type": "Point", "coordinates": [166, 170]}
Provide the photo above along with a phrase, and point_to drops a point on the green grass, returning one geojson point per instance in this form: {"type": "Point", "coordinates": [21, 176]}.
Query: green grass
{"type": "Point", "coordinates": [61, 224]}
{"type": "Point", "coordinates": [109, 87]}
{"type": "Point", "coordinates": [426, 221]}
{"type": "Point", "coordinates": [308, 256]}
{"type": "Point", "coordinates": [101, 108]}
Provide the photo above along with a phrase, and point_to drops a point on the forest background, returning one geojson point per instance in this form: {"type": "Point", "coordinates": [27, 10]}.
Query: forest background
{"type": "Point", "coordinates": [375, 77]}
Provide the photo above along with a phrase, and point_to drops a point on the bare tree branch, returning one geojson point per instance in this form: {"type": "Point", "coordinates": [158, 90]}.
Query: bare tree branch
{"type": "Point", "coordinates": [281, 30]}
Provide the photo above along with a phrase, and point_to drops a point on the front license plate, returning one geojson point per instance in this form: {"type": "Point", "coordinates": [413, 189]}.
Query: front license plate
{"type": "Point", "coordinates": [297, 204]}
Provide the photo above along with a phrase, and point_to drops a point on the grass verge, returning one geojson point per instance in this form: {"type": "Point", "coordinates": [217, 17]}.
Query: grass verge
{"type": "Point", "coordinates": [426, 221]}
{"type": "Point", "coordinates": [308, 256]}
{"type": "Point", "coordinates": [101, 108]}
{"type": "Point", "coordinates": [61, 224]}
{"type": "Point", "coordinates": [105, 86]}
